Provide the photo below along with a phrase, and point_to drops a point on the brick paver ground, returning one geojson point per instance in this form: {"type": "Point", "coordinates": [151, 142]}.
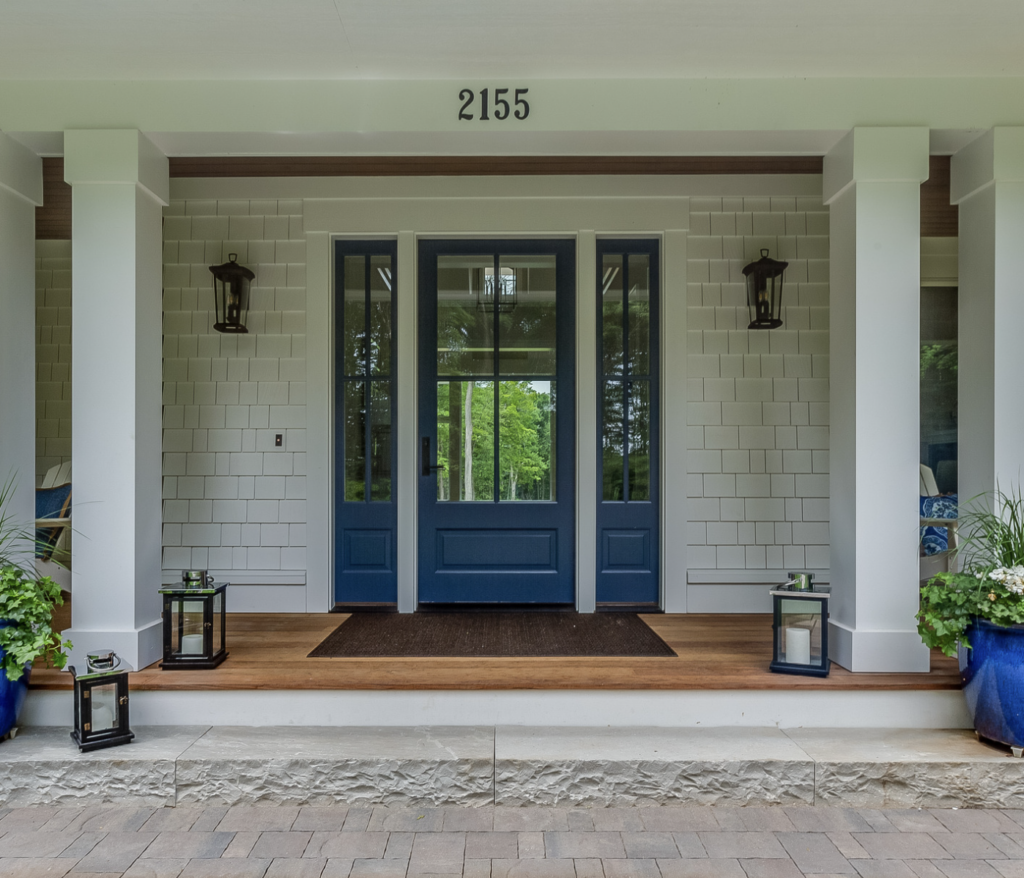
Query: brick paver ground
{"type": "Point", "coordinates": [668, 842]}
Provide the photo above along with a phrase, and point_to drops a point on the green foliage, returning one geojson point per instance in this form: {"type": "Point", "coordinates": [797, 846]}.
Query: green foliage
{"type": "Point", "coordinates": [525, 411]}
{"type": "Point", "coordinates": [26, 600]}
{"type": "Point", "coordinates": [941, 357]}
{"type": "Point", "coordinates": [26, 604]}
{"type": "Point", "coordinates": [991, 547]}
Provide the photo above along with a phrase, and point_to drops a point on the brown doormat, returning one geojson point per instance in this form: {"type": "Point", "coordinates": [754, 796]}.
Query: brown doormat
{"type": "Point", "coordinates": [454, 635]}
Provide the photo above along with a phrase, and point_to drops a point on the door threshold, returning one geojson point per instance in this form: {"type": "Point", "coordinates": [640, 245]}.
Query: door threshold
{"type": "Point", "coordinates": [494, 608]}
{"type": "Point", "coordinates": [366, 607]}
{"type": "Point", "coordinates": [624, 607]}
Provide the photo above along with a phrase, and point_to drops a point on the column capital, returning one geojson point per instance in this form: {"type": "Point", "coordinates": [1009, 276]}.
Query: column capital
{"type": "Point", "coordinates": [116, 156]}
{"type": "Point", "coordinates": [995, 157]}
{"type": "Point", "coordinates": [875, 155]}
{"type": "Point", "coordinates": [21, 170]}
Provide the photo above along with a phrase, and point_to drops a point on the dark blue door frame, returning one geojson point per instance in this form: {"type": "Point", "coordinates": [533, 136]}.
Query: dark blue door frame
{"type": "Point", "coordinates": [365, 412]}
{"type": "Point", "coordinates": [497, 551]}
{"type": "Point", "coordinates": [628, 452]}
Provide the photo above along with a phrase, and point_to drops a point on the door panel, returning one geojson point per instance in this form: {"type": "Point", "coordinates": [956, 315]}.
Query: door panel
{"type": "Point", "coordinates": [627, 518]}
{"type": "Point", "coordinates": [497, 422]}
{"type": "Point", "coordinates": [365, 409]}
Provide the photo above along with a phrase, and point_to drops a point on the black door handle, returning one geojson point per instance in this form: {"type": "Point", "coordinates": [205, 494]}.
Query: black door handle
{"type": "Point", "coordinates": [427, 466]}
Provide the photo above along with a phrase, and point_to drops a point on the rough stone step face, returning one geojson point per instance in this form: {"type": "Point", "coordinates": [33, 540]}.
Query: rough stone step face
{"type": "Point", "coordinates": [585, 766]}
{"type": "Point", "coordinates": [325, 765]}
{"type": "Point", "coordinates": [513, 765]}
{"type": "Point", "coordinates": [907, 768]}
{"type": "Point", "coordinates": [42, 766]}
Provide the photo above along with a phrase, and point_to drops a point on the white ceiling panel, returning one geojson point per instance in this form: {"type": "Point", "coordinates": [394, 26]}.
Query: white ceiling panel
{"type": "Point", "coordinates": [402, 39]}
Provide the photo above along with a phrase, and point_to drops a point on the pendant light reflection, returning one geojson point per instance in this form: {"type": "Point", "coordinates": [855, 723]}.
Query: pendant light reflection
{"type": "Point", "coordinates": [501, 294]}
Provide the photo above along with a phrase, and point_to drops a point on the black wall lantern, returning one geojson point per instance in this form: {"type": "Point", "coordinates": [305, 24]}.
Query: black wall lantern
{"type": "Point", "coordinates": [231, 294]}
{"type": "Point", "coordinates": [194, 623]}
{"type": "Point", "coordinates": [764, 295]}
{"type": "Point", "coordinates": [800, 627]}
{"type": "Point", "coordinates": [101, 702]}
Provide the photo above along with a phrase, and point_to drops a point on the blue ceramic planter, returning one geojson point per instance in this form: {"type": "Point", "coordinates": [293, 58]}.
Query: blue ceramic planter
{"type": "Point", "coordinates": [993, 676]}
{"type": "Point", "coordinates": [12, 697]}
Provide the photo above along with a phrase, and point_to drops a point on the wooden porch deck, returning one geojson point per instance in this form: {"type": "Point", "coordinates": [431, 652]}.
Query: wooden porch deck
{"type": "Point", "coordinates": [715, 652]}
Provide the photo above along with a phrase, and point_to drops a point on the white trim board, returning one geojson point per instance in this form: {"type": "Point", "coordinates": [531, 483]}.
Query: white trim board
{"type": "Point", "coordinates": [244, 577]}
{"type": "Point", "coordinates": [686, 709]}
{"type": "Point", "coordinates": [661, 186]}
{"type": "Point", "coordinates": [744, 577]}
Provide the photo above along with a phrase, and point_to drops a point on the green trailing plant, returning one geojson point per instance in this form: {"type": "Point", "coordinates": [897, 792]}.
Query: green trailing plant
{"type": "Point", "coordinates": [990, 585]}
{"type": "Point", "coordinates": [26, 599]}
{"type": "Point", "coordinates": [26, 605]}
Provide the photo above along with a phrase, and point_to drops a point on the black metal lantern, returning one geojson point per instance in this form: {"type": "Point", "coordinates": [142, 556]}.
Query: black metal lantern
{"type": "Point", "coordinates": [194, 623]}
{"type": "Point", "coordinates": [800, 627]}
{"type": "Point", "coordinates": [101, 702]}
{"type": "Point", "coordinates": [498, 291]}
{"type": "Point", "coordinates": [764, 296]}
{"type": "Point", "coordinates": [231, 294]}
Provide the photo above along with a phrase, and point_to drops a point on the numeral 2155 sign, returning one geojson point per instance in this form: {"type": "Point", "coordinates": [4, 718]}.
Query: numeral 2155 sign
{"type": "Point", "coordinates": [500, 108]}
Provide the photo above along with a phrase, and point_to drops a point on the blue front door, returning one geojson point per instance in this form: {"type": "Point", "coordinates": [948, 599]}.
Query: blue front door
{"type": "Point", "coordinates": [497, 422]}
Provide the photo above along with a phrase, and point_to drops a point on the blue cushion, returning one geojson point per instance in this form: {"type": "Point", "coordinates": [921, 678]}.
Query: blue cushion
{"type": "Point", "coordinates": [49, 504]}
{"type": "Point", "coordinates": [936, 539]}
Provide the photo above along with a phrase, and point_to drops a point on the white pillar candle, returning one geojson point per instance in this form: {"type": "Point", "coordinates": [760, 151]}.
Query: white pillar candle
{"type": "Point", "coordinates": [104, 706]}
{"type": "Point", "coordinates": [192, 644]}
{"type": "Point", "coordinates": [798, 646]}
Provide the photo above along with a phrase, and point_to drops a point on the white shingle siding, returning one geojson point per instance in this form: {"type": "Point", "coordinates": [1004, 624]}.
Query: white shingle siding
{"type": "Point", "coordinates": [53, 355]}
{"type": "Point", "coordinates": [232, 498]}
{"type": "Point", "coordinates": [758, 401]}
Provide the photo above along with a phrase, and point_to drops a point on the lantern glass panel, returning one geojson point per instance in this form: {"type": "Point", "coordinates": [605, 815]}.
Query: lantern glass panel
{"type": "Point", "coordinates": [104, 710]}
{"type": "Point", "coordinates": [218, 628]}
{"type": "Point", "coordinates": [799, 641]}
{"type": "Point", "coordinates": [186, 627]}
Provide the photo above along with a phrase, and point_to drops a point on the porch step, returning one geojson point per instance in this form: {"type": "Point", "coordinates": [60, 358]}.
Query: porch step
{"type": "Point", "coordinates": [167, 765]}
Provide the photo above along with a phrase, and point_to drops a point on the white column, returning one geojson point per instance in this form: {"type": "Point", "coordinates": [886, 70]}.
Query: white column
{"type": "Point", "coordinates": [673, 419]}
{"type": "Point", "coordinates": [407, 429]}
{"type": "Point", "coordinates": [119, 184]}
{"type": "Point", "coordinates": [987, 182]}
{"type": "Point", "coordinates": [586, 421]}
{"type": "Point", "coordinates": [21, 189]}
{"type": "Point", "coordinates": [872, 183]}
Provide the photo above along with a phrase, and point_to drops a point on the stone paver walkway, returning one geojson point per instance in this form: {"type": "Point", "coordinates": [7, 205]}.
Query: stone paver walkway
{"type": "Point", "coordinates": [277, 841]}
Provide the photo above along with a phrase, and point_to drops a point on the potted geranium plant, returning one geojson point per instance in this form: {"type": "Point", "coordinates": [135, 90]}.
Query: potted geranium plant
{"type": "Point", "coordinates": [26, 607]}
{"type": "Point", "coordinates": [977, 614]}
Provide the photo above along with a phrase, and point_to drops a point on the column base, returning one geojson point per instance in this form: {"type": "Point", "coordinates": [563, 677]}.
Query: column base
{"type": "Point", "coordinates": [138, 647]}
{"type": "Point", "coordinates": [900, 652]}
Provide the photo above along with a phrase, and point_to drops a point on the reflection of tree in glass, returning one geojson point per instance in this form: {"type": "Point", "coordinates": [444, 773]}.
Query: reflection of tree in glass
{"type": "Point", "coordinates": [524, 435]}
{"type": "Point", "coordinates": [524, 438]}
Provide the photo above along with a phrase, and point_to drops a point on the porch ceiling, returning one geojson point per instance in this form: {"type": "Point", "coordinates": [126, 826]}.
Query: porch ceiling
{"type": "Point", "coordinates": [410, 39]}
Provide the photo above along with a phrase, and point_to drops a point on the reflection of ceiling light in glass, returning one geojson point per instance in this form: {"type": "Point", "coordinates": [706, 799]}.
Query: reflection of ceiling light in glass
{"type": "Point", "coordinates": [609, 276]}
{"type": "Point", "coordinates": [501, 294]}
{"type": "Point", "coordinates": [385, 275]}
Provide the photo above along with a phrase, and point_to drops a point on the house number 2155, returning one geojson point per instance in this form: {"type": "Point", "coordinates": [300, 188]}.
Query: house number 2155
{"type": "Point", "coordinates": [500, 108]}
